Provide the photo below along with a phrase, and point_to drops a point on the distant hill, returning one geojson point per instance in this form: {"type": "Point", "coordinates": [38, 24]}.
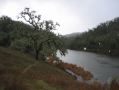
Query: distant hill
{"type": "Point", "coordinates": [68, 38]}
{"type": "Point", "coordinates": [72, 34]}
{"type": "Point", "coordinates": [103, 39]}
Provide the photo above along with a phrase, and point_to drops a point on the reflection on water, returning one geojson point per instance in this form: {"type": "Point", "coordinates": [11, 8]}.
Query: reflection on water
{"type": "Point", "coordinates": [101, 66]}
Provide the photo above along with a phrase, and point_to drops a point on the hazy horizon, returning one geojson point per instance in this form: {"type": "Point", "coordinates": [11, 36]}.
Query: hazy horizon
{"type": "Point", "coordinates": [72, 15]}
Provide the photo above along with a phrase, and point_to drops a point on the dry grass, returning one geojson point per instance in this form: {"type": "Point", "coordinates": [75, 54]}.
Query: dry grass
{"type": "Point", "coordinates": [86, 75]}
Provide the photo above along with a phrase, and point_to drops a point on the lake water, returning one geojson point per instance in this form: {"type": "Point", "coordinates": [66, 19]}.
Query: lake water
{"type": "Point", "coordinates": [101, 66]}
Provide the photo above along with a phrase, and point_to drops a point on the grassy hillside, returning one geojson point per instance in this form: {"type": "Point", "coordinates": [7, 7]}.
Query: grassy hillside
{"type": "Point", "coordinates": [19, 71]}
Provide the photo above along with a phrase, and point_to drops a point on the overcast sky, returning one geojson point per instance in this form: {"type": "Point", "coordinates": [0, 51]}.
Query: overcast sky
{"type": "Point", "coordinates": [72, 15]}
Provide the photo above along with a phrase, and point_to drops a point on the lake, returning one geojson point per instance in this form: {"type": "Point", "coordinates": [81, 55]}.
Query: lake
{"type": "Point", "coordinates": [101, 66]}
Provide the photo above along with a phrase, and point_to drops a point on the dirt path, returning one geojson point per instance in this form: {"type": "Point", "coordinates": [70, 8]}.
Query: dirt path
{"type": "Point", "coordinates": [28, 67]}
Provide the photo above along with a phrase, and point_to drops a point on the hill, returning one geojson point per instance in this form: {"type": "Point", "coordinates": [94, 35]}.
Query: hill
{"type": "Point", "coordinates": [20, 71]}
{"type": "Point", "coordinates": [102, 39]}
{"type": "Point", "coordinates": [72, 35]}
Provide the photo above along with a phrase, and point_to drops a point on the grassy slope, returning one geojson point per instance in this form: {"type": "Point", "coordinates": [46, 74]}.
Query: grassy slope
{"type": "Point", "coordinates": [20, 71]}
{"type": "Point", "coordinates": [15, 73]}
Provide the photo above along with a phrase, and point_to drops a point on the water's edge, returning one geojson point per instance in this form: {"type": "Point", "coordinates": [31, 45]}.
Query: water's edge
{"type": "Point", "coordinates": [101, 66]}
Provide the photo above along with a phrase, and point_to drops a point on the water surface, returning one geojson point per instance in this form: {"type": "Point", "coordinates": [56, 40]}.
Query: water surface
{"type": "Point", "coordinates": [101, 66]}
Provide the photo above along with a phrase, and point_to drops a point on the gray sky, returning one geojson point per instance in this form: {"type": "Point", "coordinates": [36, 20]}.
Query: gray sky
{"type": "Point", "coordinates": [72, 15]}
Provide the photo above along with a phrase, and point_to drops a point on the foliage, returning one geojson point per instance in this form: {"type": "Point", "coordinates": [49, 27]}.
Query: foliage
{"type": "Point", "coordinates": [5, 25]}
{"type": "Point", "coordinates": [36, 37]}
{"type": "Point", "coordinates": [41, 38]}
{"type": "Point", "coordinates": [103, 39]}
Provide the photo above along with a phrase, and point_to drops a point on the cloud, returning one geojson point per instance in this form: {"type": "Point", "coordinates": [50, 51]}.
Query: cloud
{"type": "Point", "coordinates": [73, 15]}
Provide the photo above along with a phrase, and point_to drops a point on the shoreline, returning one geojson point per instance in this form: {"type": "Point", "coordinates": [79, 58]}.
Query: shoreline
{"type": "Point", "coordinates": [110, 84]}
{"type": "Point", "coordinates": [85, 77]}
{"type": "Point", "coordinates": [79, 71]}
{"type": "Point", "coordinates": [97, 52]}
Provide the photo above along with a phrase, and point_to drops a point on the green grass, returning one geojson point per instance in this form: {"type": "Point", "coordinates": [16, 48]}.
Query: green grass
{"type": "Point", "coordinates": [40, 76]}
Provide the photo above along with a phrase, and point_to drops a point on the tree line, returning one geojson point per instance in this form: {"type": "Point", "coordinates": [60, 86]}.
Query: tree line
{"type": "Point", "coordinates": [103, 39]}
{"type": "Point", "coordinates": [36, 36]}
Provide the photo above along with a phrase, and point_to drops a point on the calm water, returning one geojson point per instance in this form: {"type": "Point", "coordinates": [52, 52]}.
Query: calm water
{"type": "Point", "coordinates": [101, 66]}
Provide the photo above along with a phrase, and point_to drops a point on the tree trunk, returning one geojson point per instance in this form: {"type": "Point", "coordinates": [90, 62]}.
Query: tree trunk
{"type": "Point", "coordinates": [37, 55]}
